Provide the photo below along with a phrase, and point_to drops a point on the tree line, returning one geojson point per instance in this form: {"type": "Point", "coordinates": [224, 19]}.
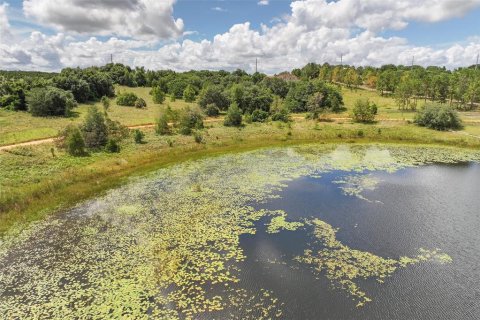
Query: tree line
{"type": "Point", "coordinates": [460, 88]}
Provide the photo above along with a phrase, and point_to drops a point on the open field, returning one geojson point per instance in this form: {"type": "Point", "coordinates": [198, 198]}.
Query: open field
{"type": "Point", "coordinates": [18, 127]}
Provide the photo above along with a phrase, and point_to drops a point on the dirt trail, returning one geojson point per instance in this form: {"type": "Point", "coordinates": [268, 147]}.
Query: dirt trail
{"type": "Point", "coordinates": [52, 139]}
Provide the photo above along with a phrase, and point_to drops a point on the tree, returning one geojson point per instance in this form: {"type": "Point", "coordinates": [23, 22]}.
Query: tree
{"type": "Point", "coordinates": [438, 117]}
{"type": "Point", "coordinates": [277, 86]}
{"type": "Point", "coordinates": [190, 119]}
{"type": "Point", "coordinates": [127, 99]}
{"type": "Point", "coordinates": [94, 129]}
{"type": "Point", "coordinates": [162, 127]}
{"type": "Point", "coordinates": [140, 103]}
{"type": "Point", "coordinates": [189, 94]}
{"type": "Point", "coordinates": [234, 116]}
{"type": "Point", "coordinates": [158, 95]}
{"type": "Point", "coordinates": [50, 101]}
{"type": "Point", "coordinates": [351, 78]}
{"type": "Point", "coordinates": [213, 95]}
{"type": "Point", "coordinates": [364, 111]}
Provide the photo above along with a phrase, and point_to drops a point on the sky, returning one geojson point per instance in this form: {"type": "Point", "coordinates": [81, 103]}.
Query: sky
{"type": "Point", "coordinates": [49, 35]}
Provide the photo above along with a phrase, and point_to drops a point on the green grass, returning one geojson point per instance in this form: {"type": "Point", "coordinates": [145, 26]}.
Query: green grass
{"type": "Point", "coordinates": [16, 127]}
{"type": "Point", "coordinates": [34, 183]}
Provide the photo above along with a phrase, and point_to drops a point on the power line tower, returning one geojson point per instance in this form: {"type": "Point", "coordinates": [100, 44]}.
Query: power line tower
{"type": "Point", "coordinates": [413, 61]}
{"type": "Point", "coordinates": [256, 65]}
{"type": "Point", "coordinates": [111, 58]}
{"type": "Point", "coordinates": [476, 65]}
{"type": "Point", "coordinates": [341, 60]}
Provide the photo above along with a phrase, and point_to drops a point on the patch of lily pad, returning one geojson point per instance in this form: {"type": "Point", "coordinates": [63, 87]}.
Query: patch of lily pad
{"type": "Point", "coordinates": [167, 246]}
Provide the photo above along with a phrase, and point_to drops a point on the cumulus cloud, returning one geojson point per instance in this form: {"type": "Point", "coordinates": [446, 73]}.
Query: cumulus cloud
{"type": "Point", "coordinates": [134, 18]}
{"type": "Point", "coordinates": [263, 2]}
{"type": "Point", "coordinates": [5, 33]}
{"type": "Point", "coordinates": [314, 31]}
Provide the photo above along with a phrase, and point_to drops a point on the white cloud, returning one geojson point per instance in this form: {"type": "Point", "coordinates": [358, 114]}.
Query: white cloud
{"type": "Point", "coordinates": [5, 33]}
{"type": "Point", "coordinates": [219, 9]}
{"type": "Point", "coordinates": [263, 2]}
{"type": "Point", "coordinates": [315, 30]}
{"type": "Point", "coordinates": [138, 18]}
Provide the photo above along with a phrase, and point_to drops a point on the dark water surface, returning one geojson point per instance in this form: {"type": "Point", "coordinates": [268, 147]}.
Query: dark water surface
{"type": "Point", "coordinates": [434, 206]}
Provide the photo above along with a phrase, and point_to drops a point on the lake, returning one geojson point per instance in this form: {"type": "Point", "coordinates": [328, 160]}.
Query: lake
{"type": "Point", "coordinates": [308, 232]}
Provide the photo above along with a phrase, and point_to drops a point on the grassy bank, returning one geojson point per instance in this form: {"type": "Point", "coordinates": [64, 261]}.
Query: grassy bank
{"type": "Point", "coordinates": [35, 183]}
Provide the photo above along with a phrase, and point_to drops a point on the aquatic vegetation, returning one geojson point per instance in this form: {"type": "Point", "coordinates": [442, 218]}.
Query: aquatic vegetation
{"type": "Point", "coordinates": [168, 245]}
{"type": "Point", "coordinates": [279, 223]}
{"type": "Point", "coordinates": [344, 265]}
{"type": "Point", "coordinates": [355, 185]}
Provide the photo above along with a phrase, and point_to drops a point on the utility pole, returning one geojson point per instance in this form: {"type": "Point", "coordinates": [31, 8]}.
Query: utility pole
{"type": "Point", "coordinates": [256, 65]}
{"type": "Point", "coordinates": [476, 65]}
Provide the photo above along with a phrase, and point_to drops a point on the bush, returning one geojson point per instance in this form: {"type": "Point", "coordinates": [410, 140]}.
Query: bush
{"type": "Point", "coordinates": [50, 101]}
{"type": "Point", "coordinates": [364, 111]}
{"type": "Point", "coordinates": [158, 95]}
{"type": "Point", "coordinates": [71, 139]}
{"type": "Point", "coordinates": [112, 146]}
{"type": "Point", "coordinates": [94, 129]}
{"type": "Point", "coordinates": [281, 115]}
{"type": "Point", "coordinates": [105, 103]}
{"type": "Point", "coordinates": [212, 110]}
{"type": "Point", "coordinates": [259, 116]}
{"type": "Point", "coordinates": [140, 103]}
{"type": "Point", "coordinates": [198, 137]}
{"type": "Point", "coordinates": [234, 116]}
{"type": "Point", "coordinates": [138, 136]}
{"type": "Point", "coordinates": [190, 118]}
{"type": "Point", "coordinates": [127, 99]}
{"type": "Point", "coordinates": [438, 117]}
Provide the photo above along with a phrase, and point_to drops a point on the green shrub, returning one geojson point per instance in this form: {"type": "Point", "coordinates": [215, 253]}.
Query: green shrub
{"type": "Point", "coordinates": [212, 110]}
{"type": "Point", "coordinates": [105, 103]}
{"type": "Point", "coordinates": [138, 136]}
{"type": "Point", "coordinates": [259, 116]}
{"type": "Point", "coordinates": [112, 146]}
{"type": "Point", "coordinates": [166, 117]}
{"type": "Point", "coordinates": [234, 116]}
{"type": "Point", "coordinates": [364, 111]}
{"type": "Point", "coordinates": [127, 99]}
{"type": "Point", "coordinates": [158, 95]}
{"type": "Point", "coordinates": [140, 103]}
{"type": "Point", "coordinates": [281, 115]}
{"type": "Point", "coordinates": [438, 117]}
{"type": "Point", "coordinates": [190, 118]}
{"type": "Point", "coordinates": [72, 141]}
{"type": "Point", "coordinates": [94, 129]}
{"type": "Point", "coordinates": [50, 101]}
{"type": "Point", "coordinates": [198, 137]}
{"type": "Point", "coordinates": [189, 94]}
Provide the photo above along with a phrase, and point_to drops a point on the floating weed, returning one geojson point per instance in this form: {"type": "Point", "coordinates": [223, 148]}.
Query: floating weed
{"type": "Point", "coordinates": [279, 223]}
{"type": "Point", "coordinates": [343, 265]}
{"type": "Point", "coordinates": [355, 185]}
{"type": "Point", "coordinates": [167, 246]}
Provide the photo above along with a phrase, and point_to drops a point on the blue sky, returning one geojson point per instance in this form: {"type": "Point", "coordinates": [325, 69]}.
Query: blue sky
{"type": "Point", "coordinates": [180, 34]}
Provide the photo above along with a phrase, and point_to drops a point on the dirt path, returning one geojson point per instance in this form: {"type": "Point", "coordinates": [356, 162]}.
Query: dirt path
{"type": "Point", "coordinates": [52, 139]}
